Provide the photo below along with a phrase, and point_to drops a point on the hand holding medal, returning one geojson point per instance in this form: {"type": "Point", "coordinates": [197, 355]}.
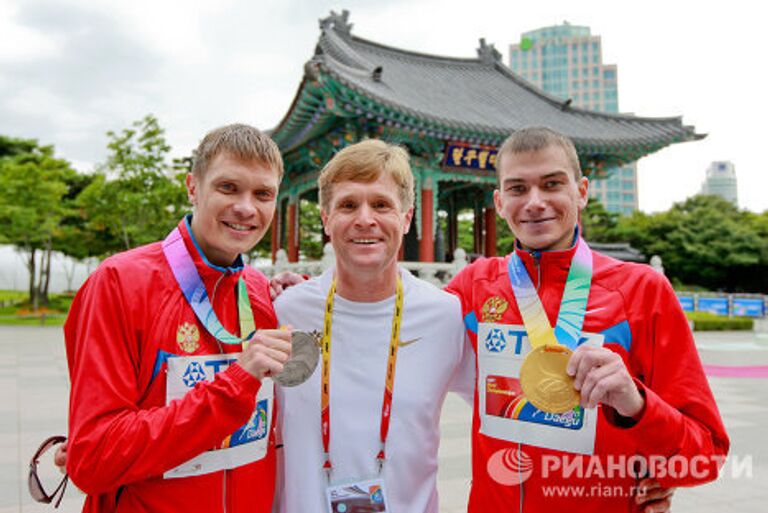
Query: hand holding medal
{"type": "Point", "coordinates": [266, 353]}
{"type": "Point", "coordinates": [601, 377]}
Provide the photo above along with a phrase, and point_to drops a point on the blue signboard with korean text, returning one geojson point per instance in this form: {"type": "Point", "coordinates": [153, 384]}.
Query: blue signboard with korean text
{"type": "Point", "coordinates": [748, 307]}
{"type": "Point", "coordinates": [715, 305]}
{"type": "Point", "coordinates": [470, 156]}
{"type": "Point", "coordinates": [686, 302]}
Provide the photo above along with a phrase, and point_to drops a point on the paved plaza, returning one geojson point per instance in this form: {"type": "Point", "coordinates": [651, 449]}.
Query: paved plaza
{"type": "Point", "coordinates": [33, 405]}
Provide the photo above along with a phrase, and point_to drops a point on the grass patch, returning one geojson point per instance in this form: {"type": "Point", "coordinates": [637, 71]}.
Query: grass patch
{"type": "Point", "coordinates": [17, 320]}
{"type": "Point", "coordinates": [705, 321]}
{"type": "Point", "coordinates": [12, 296]}
{"type": "Point", "coordinates": [15, 310]}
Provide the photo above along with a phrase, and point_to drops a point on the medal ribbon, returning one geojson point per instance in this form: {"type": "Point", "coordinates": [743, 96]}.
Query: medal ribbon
{"type": "Point", "coordinates": [325, 384]}
{"type": "Point", "coordinates": [193, 288]}
{"type": "Point", "coordinates": [573, 305]}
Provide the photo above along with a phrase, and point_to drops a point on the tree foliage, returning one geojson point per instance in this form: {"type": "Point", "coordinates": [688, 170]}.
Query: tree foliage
{"type": "Point", "coordinates": [32, 206]}
{"type": "Point", "coordinates": [311, 230]}
{"type": "Point", "coordinates": [136, 197]}
{"type": "Point", "coordinates": [705, 241]}
{"type": "Point", "coordinates": [597, 223]}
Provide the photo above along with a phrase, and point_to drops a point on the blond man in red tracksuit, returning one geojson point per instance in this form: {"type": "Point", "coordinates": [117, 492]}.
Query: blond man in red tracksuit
{"type": "Point", "coordinates": [153, 390]}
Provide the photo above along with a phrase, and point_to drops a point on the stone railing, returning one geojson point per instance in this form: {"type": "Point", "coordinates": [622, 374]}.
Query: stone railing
{"type": "Point", "coordinates": [436, 273]}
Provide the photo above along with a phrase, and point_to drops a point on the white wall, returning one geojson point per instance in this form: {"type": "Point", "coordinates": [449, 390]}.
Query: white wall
{"type": "Point", "coordinates": [14, 275]}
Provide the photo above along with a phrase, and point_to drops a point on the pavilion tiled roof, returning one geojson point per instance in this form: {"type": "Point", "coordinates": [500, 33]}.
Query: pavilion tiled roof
{"type": "Point", "coordinates": [478, 95]}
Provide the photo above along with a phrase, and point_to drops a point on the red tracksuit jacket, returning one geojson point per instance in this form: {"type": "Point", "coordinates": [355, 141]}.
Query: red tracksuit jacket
{"type": "Point", "coordinates": [125, 321]}
{"type": "Point", "coordinates": [640, 318]}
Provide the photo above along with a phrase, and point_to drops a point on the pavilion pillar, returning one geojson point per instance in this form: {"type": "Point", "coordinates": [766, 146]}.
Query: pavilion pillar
{"type": "Point", "coordinates": [293, 229]}
{"type": "Point", "coordinates": [490, 231]}
{"type": "Point", "coordinates": [427, 242]}
{"type": "Point", "coordinates": [477, 229]}
{"type": "Point", "coordinates": [452, 225]}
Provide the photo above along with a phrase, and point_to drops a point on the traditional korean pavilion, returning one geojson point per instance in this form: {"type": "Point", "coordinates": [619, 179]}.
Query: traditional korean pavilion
{"type": "Point", "coordinates": [451, 114]}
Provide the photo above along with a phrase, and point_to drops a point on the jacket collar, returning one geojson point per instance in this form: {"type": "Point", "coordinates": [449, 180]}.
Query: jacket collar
{"type": "Point", "coordinates": [205, 268]}
{"type": "Point", "coordinates": [554, 260]}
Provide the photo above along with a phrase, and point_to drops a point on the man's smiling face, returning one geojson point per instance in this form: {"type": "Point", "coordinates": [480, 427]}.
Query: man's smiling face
{"type": "Point", "coordinates": [234, 203]}
{"type": "Point", "coordinates": [540, 198]}
{"type": "Point", "coordinates": [366, 223]}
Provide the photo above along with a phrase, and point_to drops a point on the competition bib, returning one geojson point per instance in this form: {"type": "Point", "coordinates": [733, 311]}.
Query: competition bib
{"type": "Point", "coordinates": [505, 413]}
{"type": "Point", "coordinates": [248, 443]}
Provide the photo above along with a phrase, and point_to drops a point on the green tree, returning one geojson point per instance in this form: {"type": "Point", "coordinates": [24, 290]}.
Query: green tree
{"type": "Point", "coordinates": [704, 240]}
{"type": "Point", "coordinates": [136, 197]}
{"type": "Point", "coordinates": [311, 229]}
{"type": "Point", "coordinates": [597, 223]}
{"type": "Point", "coordinates": [34, 184]}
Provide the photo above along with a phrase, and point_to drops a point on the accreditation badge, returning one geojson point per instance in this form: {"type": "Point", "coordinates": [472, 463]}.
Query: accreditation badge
{"type": "Point", "coordinates": [363, 496]}
{"type": "Point", "coordinates": [246, 445]}
{"type": "Point", "coordinates": [505, 412]}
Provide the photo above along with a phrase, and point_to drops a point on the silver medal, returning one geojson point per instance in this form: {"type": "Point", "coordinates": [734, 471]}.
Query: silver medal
{"type": "Point", "coordinates": [305, 352]}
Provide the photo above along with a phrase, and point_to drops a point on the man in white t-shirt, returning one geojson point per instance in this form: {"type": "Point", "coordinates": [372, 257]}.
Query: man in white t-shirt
{"type": "Point", "coordinates": [396, 347]}
{"type": "Point", "coordinates": [366, 197]}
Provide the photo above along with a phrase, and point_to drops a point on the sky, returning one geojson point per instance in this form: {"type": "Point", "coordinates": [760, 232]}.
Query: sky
{"type": "Point", "coordinates": [70, 70]}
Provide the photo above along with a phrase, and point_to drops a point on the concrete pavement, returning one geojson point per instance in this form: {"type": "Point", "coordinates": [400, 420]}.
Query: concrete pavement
{"type": "Point", "coordinates": [33, 405]}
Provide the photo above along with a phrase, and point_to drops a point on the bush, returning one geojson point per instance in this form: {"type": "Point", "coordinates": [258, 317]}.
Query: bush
{"type": "Point", "coordinates": [705, 321]}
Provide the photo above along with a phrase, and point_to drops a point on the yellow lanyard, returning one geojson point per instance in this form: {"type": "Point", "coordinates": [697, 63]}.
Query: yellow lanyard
{"type": "Point", "coordinates": [325, 385]}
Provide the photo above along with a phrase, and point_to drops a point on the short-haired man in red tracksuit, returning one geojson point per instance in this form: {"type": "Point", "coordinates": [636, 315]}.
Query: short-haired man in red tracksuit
{"type": "Point", "coordinates": [171, 408]}
{"type": "Point", "coordinates": [645, 405]}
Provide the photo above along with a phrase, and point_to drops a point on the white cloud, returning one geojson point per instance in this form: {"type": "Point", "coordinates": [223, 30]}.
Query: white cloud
{"type": "Point", "coordinates": [19, 43]}
{"type": "Point", "coordinates": [72, 69]}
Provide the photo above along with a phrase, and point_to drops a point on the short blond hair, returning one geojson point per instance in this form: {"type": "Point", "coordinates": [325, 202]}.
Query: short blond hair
{"type": "Point", "coordinates": [365, 162]}
{"type": "Point", "coordinates": [239, 141]}
{"type": "Point", "coordinates": [537, 138]}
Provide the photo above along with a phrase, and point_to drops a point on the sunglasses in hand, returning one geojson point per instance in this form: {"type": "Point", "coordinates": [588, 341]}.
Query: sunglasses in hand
{"type": "Point", "coordinates": [36, 489]}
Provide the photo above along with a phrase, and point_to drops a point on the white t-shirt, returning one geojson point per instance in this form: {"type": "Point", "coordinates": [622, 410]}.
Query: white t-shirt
{"type": "Point", "coordinates": [440, 360]}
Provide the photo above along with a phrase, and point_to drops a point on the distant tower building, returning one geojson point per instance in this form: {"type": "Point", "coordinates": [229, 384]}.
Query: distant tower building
{"type": "Point", "coordinates": [566, 61]}
{"type": "Point", "coordinates": [721, 181]}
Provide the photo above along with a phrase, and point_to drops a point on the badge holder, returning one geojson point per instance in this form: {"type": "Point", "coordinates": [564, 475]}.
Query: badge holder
{"type": "Point", "coordinates": [357, 496]}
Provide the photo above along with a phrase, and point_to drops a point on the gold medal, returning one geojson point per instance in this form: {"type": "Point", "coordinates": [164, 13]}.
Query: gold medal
{"type": "Point", "coordinates": [545, 382]}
